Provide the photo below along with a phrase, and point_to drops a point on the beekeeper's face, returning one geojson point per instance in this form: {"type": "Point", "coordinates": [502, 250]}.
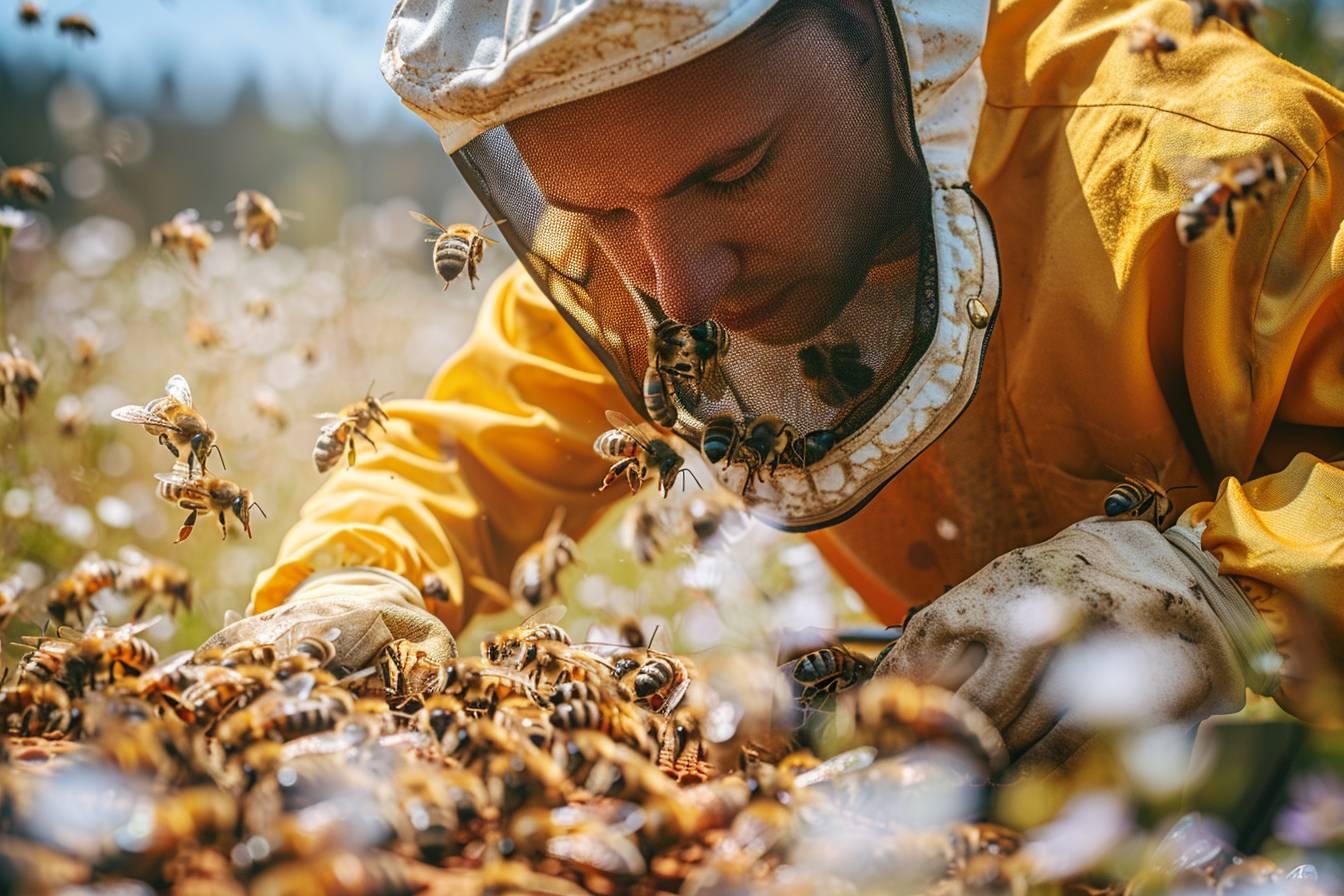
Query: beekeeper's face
{"type": "Point", "coordinates": [754, 185]}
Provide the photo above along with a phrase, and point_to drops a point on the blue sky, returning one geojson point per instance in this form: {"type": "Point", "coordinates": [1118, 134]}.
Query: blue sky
{"type": "Point", "coordinates": [310, 60]}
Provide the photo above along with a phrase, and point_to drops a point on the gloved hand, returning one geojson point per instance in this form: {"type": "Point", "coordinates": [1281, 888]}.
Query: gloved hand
{"type": "Point", "coordinates": [381, 619]}
{"type": "Point", "coordinates": [1139, 625]}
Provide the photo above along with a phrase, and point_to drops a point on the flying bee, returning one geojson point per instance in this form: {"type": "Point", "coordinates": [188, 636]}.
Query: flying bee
{"type": "Point", "coordinates": [354, 419]}
{"type": "Point", "coordinates": [154, 579]}
{"type": "Point", "coordinates": [259, 307]}
{"type": "Point", "coordinates": [1138, 497]}
{"type": "Point", "coordinates": [637, 455]}
{"type": "Point", "coordinates": [1237, 13]}
{"type": "Point", "coordinates": [457, 247]}
{"type": "Point", "coordinates": [26, 181]}
{"type": "Point", "coordinates": [536, 575]}
{"type": "Point", "coordinates": [85, 350]}
{"type": "Point", "coordinates": [1146, 37]}
{"type": "Point", "coordinates": [177, 424]}
{"type": "Point", "coordinates": [642, 530]}
{"type": "Point", "coordinates": [19, 376]}
{"type": "Point", "coordinates": [73, 595]}
{"type": "Point", "coordinates": [828, 671]}
{"type": "Point", "coordinates": [1234, 181]}
{"type": "Point", "coordinates": [29, 14]}
{"type": "Point", "coordinates": [267, 406]}
{"type": "Point", "coordinates": [78, 27]}
{"type": "Point", "coordinates": [257, 219]}
{"type": "Point", "coordinates": [185, 234]}
{"type": "Point", "coordinates": [207, 494]}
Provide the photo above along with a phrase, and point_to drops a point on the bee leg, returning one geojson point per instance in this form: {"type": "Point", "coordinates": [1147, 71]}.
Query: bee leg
{"type": "Point", "coordinates": [141, 607]}
{"type": "Point", "coordinates": [168, 443]}
{"type": "Point", "coordinates": [616, 470]}
{"type": "Point", "coordinates": [1231, 217]}
{"type": "Point", "coordinates": [223, 527]}
{"type": "Point", "coordinates": [365, 436]}
{"type": "Point", "coordinates": [186, 528]}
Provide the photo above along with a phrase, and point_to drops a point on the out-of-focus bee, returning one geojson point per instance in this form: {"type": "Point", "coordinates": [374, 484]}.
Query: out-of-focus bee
{"type": "Point", "coordinates": [341, 873]}
{"type": "Point", "coordinates": [85, 350]}
{"type": "Point", "coordinates": [540, 626]}
{"type": "Point", "coordinates": [1237, 13]}
{"type": "Point", "coordinates": [828, 671]}
{"type": "Point", "coordinates": [636, 455]}
{"type": "Point", "coordinates": [892, 714]}
{"type": "Point", "coordinates": [26, 181]}
{"type": "Point", "coordinates": [715, 513]}
{"type": "Point", "coordinates": [160, 826]}
{"type": "Point", "coordinates": [353, 420]}
{"type": "Point", "coordinates": [110, 652]}
{"type": "Point", "coordinates": [260, 307]}
{"type": "Point", "coordinates": [185, 234]}
{"type": "Point", "coordinates": [20, 376]}
{"type": "Point", "coordinates": [1234, 181]}
{"type": "Point", "coordinates": [267, 406]}
{"type": "Point", "coordinates": [176, 422]}
{"type": "Point", "coordinates": [578, 836]}
{"type": "Point", "coordinates": [1139, 498]}
{"type": "Point", "coordinates": [642, 532]}
{"type": "Point", "coordinates": [78, 27]}
{"type": "Point", "coordinates": [154, 579]}
{"type": "Point", "coordinates": [37, 709]}
{"type": "Point", "coordinates": [207, 494]}
{"type": "Point", "coordinates": [457, 247]}
{"type": "Point", "coordinates": [615, 718]}
{"type": "Point", "coordinates": [12, 593]}
{"type": "Point", "coordinates": [202, 334]}
{"type": "Point", "coordinates": [71, 416]}
{"type": "Point", "coordinates": [536, 575]}
{"type": "Point", "coordinates": [1145, 36]}
{"type": "Point", "coordinates": [835, 372]}
{"type": "Point", "coordinates": [73, 594]}
{"type": "Point", "coordinates": [55, 660]}
{"type": "Point", "coordinates": [29, 13]}
{"type": "Point", "coordinates": [257, 219]}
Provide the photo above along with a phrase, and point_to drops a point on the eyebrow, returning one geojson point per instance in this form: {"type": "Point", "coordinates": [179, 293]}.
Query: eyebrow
{"type": "Point", "coordinates": [719, 162]}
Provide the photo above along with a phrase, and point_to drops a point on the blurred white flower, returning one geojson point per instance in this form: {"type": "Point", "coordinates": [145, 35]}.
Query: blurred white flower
{"type": "Point", "coordinates": [115, 512]}
{"type": "Point", "coordinates": [1084, 832]}
{"type": "Point", "coordinates": [12, 219]}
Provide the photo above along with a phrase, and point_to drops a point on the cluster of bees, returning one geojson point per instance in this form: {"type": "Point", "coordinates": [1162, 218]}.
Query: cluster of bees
{"type": "Point", "coordinates": [541, 765]}
{"type": "Point", "coordinates": [77, 26]}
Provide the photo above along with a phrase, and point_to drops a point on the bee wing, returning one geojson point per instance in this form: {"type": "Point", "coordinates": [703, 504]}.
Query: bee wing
{"type": "Point", "coordinates": [845, 763]}
{"type": "Point", "coordinates": [177, 388]}
{"type": "Point", "coordinates": [134, 413]}
{"type": "Point", "coordinates": [674, 698]}
{"type": "Point", "coordinates": [426, 219]}
{"type": "Point", "coordinates": [231, 616]}
{"type": "Point", "coordinates": [299, 686]}
{"type": "Point", "coordinates": [623, 423]}
{"type": "Point", "coordinates": [187, 216]}
{"type": "Point", "coordinates": [548, 615]}
{"type": "Point", "coordinates": [598, 848]}
{"type": "Point", "coordinates": [132, 629]}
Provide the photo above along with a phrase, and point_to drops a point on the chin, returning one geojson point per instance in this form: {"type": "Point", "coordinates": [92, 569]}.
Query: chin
{"type": "Point", "coordinates": [796, 314]}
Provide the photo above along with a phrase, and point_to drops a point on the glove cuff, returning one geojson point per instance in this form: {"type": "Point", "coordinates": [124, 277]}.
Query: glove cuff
{"type": "Point", "coordinates": [1245, 630]}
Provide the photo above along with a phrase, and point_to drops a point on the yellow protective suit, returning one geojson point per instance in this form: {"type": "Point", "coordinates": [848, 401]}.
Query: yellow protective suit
{"type": "Point", "coordinates": [1221, 363]}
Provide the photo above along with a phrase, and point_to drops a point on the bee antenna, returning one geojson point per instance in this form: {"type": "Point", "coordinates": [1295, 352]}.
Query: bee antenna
{"type": "Point", "coordinates": [259, 510]}
{"type": "Point", "coordinates": [653, 634]}
{"type": "Point", "coordinates": [686, 472]}
{"type": "Point", "coordinates": [1176, 488]}
{"type": "Point", "coordinates": [215, 448]}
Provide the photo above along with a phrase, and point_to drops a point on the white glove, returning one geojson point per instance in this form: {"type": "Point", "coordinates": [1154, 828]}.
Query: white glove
{"type": "Point", "coordinates": [1107, 625]}
{"type": "Point", "coordinates": [374, 610]}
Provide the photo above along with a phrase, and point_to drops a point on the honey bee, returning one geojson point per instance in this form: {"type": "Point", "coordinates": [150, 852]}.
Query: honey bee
{"type": "Point", "coordinates": [762, 444]}
{"type": "Point", "coordinates": [720, 439]}
{"type": "Point", "coordinates": [1141, 498]}
{"type": "Point", "coordinates": [267, 406]}
{"type": "Point", "coordinates": [1237, 13]}
{"type": "Point", "coordinates": [73, 594]}
{"type": "Point", "coordinates": [217, 690]}
{"type": "Point", "coordinates": [259, 307]}
{"type": "Point", "coordinates": [37, 709]}
{"type": "Point", "coordinates": [578, 836]}
{"type": "Point", "coordinates": [154, 579]}
{"type": "Point", "coordinates": [715, 513]}
{"type": "Point", "coordinates": [308, 354]}
{"type": "Point", "coordinates": [298, 706]}
{"type": "Point", "coordinates": [207, 494]}
{"type": "Point", "coordinates": [812, 447]}
{"type": "Point", "coordinates": [20, 377]}
{"type": "Point", "coordinates": [185, 234]}
{"type": "Point", "coordinates": [540, 626]}
{"type": "Point", "coordinates": [658, 680]}
{"type": "Point", "coordinates": [1235, 181]}
{"type": "Point", "coordinates": [1146, 37]}
{"type": "Point", "coordinates": [686, 358]}
{"type": "Point", "coordinates": [338, 873]}
{"type": "Point", "coordinates": [535, 577]}
{"type": "Point", "coordinates": [71, 416]}
{"type": "Point", "coordinates": [85, 351]}
{"type": "Point", "coordinates": [78, 27]}
{"type": "Point", "coordinates": [55, 660]}
{"type": "Point", "coordinates": [661, 410]}
{"type": "Point", "coordinates": [636, 455]}
{"type": "Point", "coordinates": [202, 334]}
{"type": "Point", "coordinates": [12, 598]}
{"type": "Point", "coordinates": [835, 372]}
{"type": "Point", "coordinates": [26, 181]}
{"type": "Point", "coordinates": [457, 247]}
{"type": "Point", "coordinates": [642, 530]}
{"type": "Point", "coordinates": [353, 420]}
{"type": "Point", "coordinates": [177, 424]}
{"type": "Point", "coordinates": [110, 652]}
{"type": "Point", "coordinates": [29, 13]}
{"type": "Point", "coordinates": [257, 219]}
{"type": "Point", "coordinates": [828, 671]}
{"type": "Point", "coordinates": [614, 718]}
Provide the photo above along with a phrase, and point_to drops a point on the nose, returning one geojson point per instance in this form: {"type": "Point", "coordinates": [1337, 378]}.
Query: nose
{"type": "Point", "coordinates": [675, 261]}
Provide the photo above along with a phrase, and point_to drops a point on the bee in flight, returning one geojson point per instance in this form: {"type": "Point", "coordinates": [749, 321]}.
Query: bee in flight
{"type": "Point", "coordinates": [535, 578]}
{"type": "Point", "coordinates": [206, 494]}
{"type": "Point", "coordinates": [636, 455]}
{"type": "Point", "coordinates": [457, 247]}
{"type": "Point", "coordinates": [177, 424]}
{"type": "Point", "coordinates": [1146, 37]}
{"type": "Point", "coordinates": [78, 27]}
{"type": "Point", "coordinates": [1234, 181]}
{"type": "Point", "coordinates": [20, 376]}
{"type": "Point", "coordinates": [354, 419]}
{"type": "Point", "coordinates": [29, 13]}
{"type": "Point", "coordinates": [185, 234]}
{"type": "Point", "coordinates": [257, 219]}
{"type": "Point", "coordinates": [27, 181]}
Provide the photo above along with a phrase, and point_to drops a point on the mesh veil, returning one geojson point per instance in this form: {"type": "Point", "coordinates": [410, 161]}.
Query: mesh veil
{"type": "Point", "coordinates": [833, 380]}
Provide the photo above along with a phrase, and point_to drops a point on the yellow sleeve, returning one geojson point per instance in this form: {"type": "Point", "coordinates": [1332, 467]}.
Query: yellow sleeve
{"type": "Point", "coordinates": [465, 479]}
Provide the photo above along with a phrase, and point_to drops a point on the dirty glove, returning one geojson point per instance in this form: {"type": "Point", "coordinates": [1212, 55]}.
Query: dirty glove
{"type": "Point", "coordinates": [1108, 624]}
{"type": "Point", "coordinates": [377, 613]}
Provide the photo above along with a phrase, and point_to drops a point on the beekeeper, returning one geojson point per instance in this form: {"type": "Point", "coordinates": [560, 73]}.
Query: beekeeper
{"type": "Point", "coordinates": [941, 240]}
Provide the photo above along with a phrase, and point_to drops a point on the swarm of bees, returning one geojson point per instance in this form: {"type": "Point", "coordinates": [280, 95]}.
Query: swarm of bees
{"type": "Point", "coordinates": [183, 430]}
{"type": "Point", "coordinates": [257, 219]}
{"type": "Point", "coordinates": [20, 377]}
{"type": "Point", "coordinates": [542, 765]}
{"type": "Point", "coordinates": [456, 248]}
{"type": "Point", "coordinates": [337, 436]}
{"type": "Point", "coordinates": [184, 234]}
